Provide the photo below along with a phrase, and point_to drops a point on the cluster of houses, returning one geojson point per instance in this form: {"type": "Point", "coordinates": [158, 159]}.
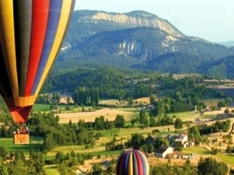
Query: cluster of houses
{"type": "Point", "coordinates": [175, 140]}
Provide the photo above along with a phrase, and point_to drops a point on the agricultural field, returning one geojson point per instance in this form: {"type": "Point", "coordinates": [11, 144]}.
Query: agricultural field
{"type": "Point", "coordinates": [107, 113]}
{"type": "Point", "coordinates": [35, 144]}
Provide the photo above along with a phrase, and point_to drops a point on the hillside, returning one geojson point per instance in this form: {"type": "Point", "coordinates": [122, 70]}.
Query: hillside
{"type": "Point", "coordinates": [139, 41]}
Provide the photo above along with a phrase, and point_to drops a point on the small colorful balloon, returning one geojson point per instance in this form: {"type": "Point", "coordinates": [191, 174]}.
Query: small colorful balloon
{"type": "Point", "coordinates": [132, 162]}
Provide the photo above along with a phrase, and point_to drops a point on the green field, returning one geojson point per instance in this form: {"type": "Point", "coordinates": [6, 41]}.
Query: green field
{"type": "Point", "coordinates": [8, 144]}
{"type": "Point", "coordinates": [51, 170]}
{"type": "Point", "coordinates": [196, 150]}
{"type": "Point", "coordinates": [185, 116]}
{"type": "Point", "coordinates": [229, 159]}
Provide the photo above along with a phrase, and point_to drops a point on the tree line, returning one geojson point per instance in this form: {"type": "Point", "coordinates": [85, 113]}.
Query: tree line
{"type": "Point", "coordinates": [113, 83]}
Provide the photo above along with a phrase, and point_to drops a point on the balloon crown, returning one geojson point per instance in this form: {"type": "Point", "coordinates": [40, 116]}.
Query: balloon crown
{"type": "Point", "coordinates": [132, 162]}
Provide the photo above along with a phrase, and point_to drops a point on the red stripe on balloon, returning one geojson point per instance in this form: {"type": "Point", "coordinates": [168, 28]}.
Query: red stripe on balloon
{"type": "Point", "coordinates": [139, 162]}
{"type": "Point", "coordinates": [40, 11]}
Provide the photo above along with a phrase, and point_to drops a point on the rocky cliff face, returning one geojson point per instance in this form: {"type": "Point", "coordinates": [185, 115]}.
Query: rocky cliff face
{"type": "Point", "coordinates": [132, 19]}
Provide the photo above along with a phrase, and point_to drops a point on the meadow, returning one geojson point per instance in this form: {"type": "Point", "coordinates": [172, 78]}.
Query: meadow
{"type": "Point", "coordinates": [8, 144]}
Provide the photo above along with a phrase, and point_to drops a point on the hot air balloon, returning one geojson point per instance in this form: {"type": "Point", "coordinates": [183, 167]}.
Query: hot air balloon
{"type": "Point", "coordinates": [31, 33]}
{"type": "Point", "coordinates": [132, 162]}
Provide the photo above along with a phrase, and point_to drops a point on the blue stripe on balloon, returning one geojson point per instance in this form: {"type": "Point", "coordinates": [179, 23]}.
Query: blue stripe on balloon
{"type": "Point", "coordinates": [54, 17]}
{"type": "Point", "coordinates": [125, 165]}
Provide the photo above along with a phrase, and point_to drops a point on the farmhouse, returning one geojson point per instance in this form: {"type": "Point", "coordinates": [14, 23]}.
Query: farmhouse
{"type": "Point", "coordinates": [163, 151]}
{"type": "Point", "coordinates": [182, 140]}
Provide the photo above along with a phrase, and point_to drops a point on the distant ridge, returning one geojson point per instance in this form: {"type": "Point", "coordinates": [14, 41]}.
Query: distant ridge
{"type": "Point", "coordinates": [137, 40]}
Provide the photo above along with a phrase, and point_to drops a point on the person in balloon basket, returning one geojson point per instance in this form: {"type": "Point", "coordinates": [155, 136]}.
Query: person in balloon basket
{"type": "Point", "coordinates": [22, 130]}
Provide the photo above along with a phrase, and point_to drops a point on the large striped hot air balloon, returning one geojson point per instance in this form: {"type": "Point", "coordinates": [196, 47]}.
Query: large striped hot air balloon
{"type": "Point", "coordinates": [31, 33]}
{"type": "Point", "coordinates": [132, 162]}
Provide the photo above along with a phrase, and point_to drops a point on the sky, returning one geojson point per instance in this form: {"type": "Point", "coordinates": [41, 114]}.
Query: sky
{"type": "Point", "coordinates": [212, 20]}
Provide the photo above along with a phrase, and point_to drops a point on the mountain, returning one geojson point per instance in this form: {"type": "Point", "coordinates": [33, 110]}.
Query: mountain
{"type": "Point", "coordinates": [228, 43]}
{"type": "Point", "coordinates": [136, 40]}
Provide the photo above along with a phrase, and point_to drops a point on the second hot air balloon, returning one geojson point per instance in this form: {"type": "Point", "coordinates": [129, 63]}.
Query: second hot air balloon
{"type": "Point", "coordinates": [132, 162]}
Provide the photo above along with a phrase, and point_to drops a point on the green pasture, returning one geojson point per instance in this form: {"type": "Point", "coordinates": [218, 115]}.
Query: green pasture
{"type": "Point", "coordinates": [108, 133]}
{"type": "Point", "coordinates": [41, 107]}
{"type": "Point", "coordinates": [105, 153]}
{"type": "Point", "coordinates": [209, 116]}
{"type": "Point", "coordinates": [8, 144]}
{"type": "Point", "coordinates": [67, 149]}
{"type": "Point", "coordinates": [95, 151]}
{"type": "Point", "coordinates": [185, 116]}
{"type": "Point", "coordinates": [196, 150]}
{"type": "Point", "coordinates": [229, 159]}
{"type": "Point", "coordinates": [51, 170]}
{"type": "Point", "coordinates": [112, 102]}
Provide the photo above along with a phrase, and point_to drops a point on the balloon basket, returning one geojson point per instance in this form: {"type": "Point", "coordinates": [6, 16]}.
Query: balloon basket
{"type": "Point", "coordinates": [20, 139]}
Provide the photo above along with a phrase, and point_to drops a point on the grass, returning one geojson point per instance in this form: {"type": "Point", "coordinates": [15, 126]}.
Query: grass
{"type": "Point", "coordinates": [196, 150]}
{"type": "Point", "coordinates": [8, 144]}
{"type": "Point", "coordinates": [66, 149]}
{"type": "Point", "coordinates": [229, 159]}
{"type": "Point", "coordinates": [209, 116]}
{"type": "Point", "coordinates": [185, 116]}
{"type": "Point", "coordinates": [105, 153]}
{"type": "Point", "coordinates": [51, 170]}
{"type": "Point", "coordinates": [41, 107]}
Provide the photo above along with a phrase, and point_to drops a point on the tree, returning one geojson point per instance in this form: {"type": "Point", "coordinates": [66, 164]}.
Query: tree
{"type": "Point", "coordinates": [97, 169]}
{"type": "Point", "coordinates": [209, 166]}
{"type": "Point", "coordinates": [130, 101]}
{"type": "Point", "coordinates": [3, 152]}
{"type": "Point", "coordinates": [137, 140]}
{"type": "Point", "coordinates": [227, 111]}
{"type": "Point", "coordinates": [152, 99]}
{"type": "Point", "coordinates": [59, 157]}
{"type": "Point", "coordinates": [161, 141]}
{"type": "Point", "coordinates": [153, 122]}
{"type": "Point", "coordinates": [143, 118]}
{"type": "Point", "coordinates": [100, 123]}
{"type": "Point", "coordinates": [194, 133]}
{"type": "Point", "coordinates": [178, 124]}
{"type": "Point", "coordinates": [119, 121]}
{"type": "Point", "coordinates": [64, 169]}
{"type": "Point", "coordinates": [49, 142]}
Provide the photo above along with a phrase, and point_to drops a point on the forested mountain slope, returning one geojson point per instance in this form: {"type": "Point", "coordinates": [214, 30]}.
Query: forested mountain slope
{"type": "Point", "coordinates": [139, 41]}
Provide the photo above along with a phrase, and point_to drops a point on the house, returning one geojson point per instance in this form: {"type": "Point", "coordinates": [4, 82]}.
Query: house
{"type": "Point", "coordinates": [171, 138]}
{"type": "Point", "coordinates": [163, 151]}
{"type": "Point", "coordinates": [150, 139]}
{"type": "Point", "coordinates": [181, 141]}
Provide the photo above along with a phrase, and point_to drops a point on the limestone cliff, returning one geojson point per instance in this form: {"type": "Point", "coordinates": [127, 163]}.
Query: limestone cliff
{"type": "Point", "coordinates": [125, 20]}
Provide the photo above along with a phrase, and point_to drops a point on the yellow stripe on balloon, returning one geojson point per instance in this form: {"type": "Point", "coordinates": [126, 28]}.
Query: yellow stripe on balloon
{"type": "Point", "coordinates": [8, 43]}
{"type": "Point", "coordinates": [65, 13]}
{"type": "Point", "coordinates": [130, 164]}
{"type": "Point", "coordinates": [21, 101]}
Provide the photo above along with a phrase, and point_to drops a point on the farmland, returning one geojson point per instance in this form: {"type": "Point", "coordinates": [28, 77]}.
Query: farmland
{"type": "Point", "coordinates": [74, 114]}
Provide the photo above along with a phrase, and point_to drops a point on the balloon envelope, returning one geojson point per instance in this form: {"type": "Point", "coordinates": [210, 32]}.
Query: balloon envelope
{"type": "Point", "coordinates": [132, 162]}
{"type": "Point", "coordinates": [31, 33]}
